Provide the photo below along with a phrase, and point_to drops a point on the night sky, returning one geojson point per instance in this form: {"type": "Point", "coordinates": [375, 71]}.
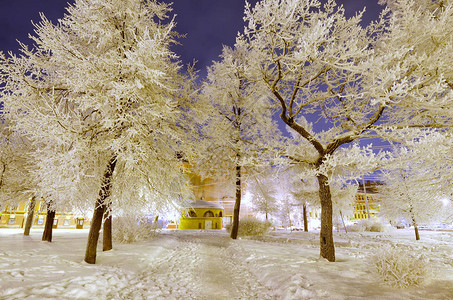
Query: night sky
{"type": "Point", "coordinates": [208, 24]}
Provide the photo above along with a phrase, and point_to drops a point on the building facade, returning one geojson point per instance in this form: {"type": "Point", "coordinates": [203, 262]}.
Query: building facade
{"type": "Point", "coordinates": [15, 216]}
{"type": "Point", "coordinates": [201, 215]}
{"type": "Point", "coordinates": [366, 196]}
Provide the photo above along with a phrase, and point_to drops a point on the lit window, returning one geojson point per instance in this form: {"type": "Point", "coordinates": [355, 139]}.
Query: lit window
{"type": "Point", "coordinates": [208, 214]}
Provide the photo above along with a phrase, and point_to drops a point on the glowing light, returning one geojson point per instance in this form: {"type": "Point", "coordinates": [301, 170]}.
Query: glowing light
{"type": "Point", "coordinates": [445, 201]}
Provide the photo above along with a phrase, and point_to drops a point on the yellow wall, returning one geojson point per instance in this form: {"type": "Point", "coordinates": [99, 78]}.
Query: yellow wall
{"type": "Point", "coordinates": [360, 212]}
{"type": "Point", "coordinates": [15, 217]}
{"type": "Point", "coordinates": [199, 221]}
{"type": "Point", "coordinates": [209, 189]}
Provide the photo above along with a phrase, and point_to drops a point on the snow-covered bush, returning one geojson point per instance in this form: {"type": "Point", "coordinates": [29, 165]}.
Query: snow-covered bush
{"type": "Point", "coordinates": [401, 268]}
{"type": "Point", "coordinates": [127, 230]}
{"type": "Point", "coordinates": [373, 225]}
{"type": "Point", "coordinates": [251, 226]}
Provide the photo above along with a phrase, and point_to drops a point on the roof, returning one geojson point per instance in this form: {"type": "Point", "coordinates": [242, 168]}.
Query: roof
{"type": "Point", "coordinates": [203, 204]}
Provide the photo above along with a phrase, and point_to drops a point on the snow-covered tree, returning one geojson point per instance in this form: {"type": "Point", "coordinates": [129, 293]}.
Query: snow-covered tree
{"type": "Point", "coordinates": [434, 151]}
{"type": "Point", "coordinates": [410, 191]}
{"type": "Point", "coordinates": [15, 181]}
{"type": "Point", "coordinates": [413, 72]}
{"type": "Point", "coordinates": [309, 59]}
{"type": "Point", "coordinates": [286, 211]}
{"type": "Point", "coordinates": [264, 194]}
{"type": "Point", "coordinates": [100, 95]}
{"type": "Point", "coordinates": [316, 63]}
{"type": "Point", "coordinates": [412, 66]}
{"type": "Point", "coordinates": [239, 127]}
{"type": "Point", "coordinates": [305, 192]}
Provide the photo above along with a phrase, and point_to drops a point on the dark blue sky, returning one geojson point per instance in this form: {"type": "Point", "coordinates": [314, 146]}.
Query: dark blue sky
{"type": "Point", "coordinates": [209, 24]}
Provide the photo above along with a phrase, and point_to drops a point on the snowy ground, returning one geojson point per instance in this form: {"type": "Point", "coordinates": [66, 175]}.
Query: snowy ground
{"type": "Point", "coordinates": [208, 265]}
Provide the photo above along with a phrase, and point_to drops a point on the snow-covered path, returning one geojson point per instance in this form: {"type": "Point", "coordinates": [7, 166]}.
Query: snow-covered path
{"type": "Point", "coordinates": [172, 266]}
{"type": "Point", "coordinates": [209, 265]}
{"type": "Point", "coordinates": [207, 268]}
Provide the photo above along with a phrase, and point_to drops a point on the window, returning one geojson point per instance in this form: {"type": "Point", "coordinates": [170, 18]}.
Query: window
{"type": "Point", "coordinates": [220, 214]}
{"type": "Point", "coordinates": [40, 221]}
{"type": "Point", "coordinates": [66, 222]}
{"type": "Point", "coordinates": [192, 214]}
{"type": "Point", "coordinates": [11, 221]}
{"type": "Point", "coordinates": [208, 214]}
{"type": "Point", "coordinates": [21, 206]}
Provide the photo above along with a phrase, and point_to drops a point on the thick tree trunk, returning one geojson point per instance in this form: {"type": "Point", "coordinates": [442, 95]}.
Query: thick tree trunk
{"type": "Point", "coordinates": [99, 209]}
{"type": "Point", "coordinates": [31, 213]}
{"type": "Point", "coordinates": [107, 233]}
{"type": "Point", "coordinates": [47, 234]}
{"type": "Point", "coordinates": [417, 236]}
{"type": "Point", "coordinates": [237, 205]}
{"type": "Point", "coordinates": [326, 235]}
{"type": "Point", "coordinates": [304, 208]}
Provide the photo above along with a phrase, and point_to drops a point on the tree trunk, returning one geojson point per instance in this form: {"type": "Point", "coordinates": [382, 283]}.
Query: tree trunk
{"type": "Point", "coordinates": [99, 209]}
{"type": "Point", "coordinates": [304, 207]}
{"type": "Point", "coordinates": [47, 234]}
{"type": "Point", "coordinates": [417, 236]}
{"type": "Point", "coordinates": [237, 205]}
{"type": "Point", "coordinates": [107, 233]}
{"type": "Point", "coordinates": [342, 220]}
{"type": "Point", "coordinates": [326, 234]}
{"type": "Point", "coordinates": [31, 212]}
{"type": "Point", "coordinates": [290, 223]}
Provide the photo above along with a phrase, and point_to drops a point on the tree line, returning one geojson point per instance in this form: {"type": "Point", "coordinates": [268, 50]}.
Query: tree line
{"type": "Point", "coordinates": [99, 110]}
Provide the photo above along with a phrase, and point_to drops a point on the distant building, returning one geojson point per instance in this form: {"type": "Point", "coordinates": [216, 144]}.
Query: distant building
{"type": "Point", "coordinates": [14, 217]}
{"type": "Point", "coordinates": [360, 209]}
{"type": "Point", "coordinates": [201, 215]}
{"type": "Point", "coordinates": [220, 191]}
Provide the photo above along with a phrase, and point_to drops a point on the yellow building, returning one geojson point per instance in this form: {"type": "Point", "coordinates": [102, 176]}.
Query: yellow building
{"type": "Point", "coordinates": [360, 205]}
{"type": "Point", "coordinates": [14, 217]}
{"type": "Point", "coordinates": [219, 190]}
{"type": "Point", "coordinates": [201, 215]}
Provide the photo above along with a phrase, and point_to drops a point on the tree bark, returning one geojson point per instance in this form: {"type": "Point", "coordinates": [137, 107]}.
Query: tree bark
{"type": "Point", "coordinates": [31, 213]}
{"type": "Point", "coordinates": [99, 209]}
{"type": "Point", "coordinates": [304, 208]}
{"type": "Point", "coordinates": [326, 235]}
{"type": "Point", "coordinates": [237, 205]}
{"type": "Point", "coordinates": [417, 235]}
{"type": "Point", "coordinates": [107, 233]}
{"type": "Point", "coordinates": [47, 234]}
